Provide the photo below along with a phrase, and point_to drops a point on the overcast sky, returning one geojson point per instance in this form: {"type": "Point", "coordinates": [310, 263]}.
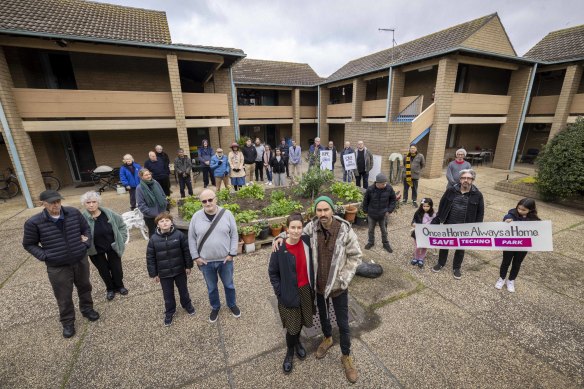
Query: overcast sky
{"type": "Point", "coordinates": [327, 34]}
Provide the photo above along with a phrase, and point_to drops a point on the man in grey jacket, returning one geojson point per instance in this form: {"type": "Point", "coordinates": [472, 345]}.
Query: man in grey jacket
{"type": "Point", "coordinates": [214, 256]}
{"type": "Point", "coordinates": [183, 167]}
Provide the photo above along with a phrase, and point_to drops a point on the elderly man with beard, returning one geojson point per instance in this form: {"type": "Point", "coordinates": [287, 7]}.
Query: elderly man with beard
{"type": "Point", "coordinates": [462, 203]}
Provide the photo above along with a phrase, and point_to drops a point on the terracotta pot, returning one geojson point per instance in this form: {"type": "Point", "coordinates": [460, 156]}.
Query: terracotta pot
{"type": "Point", "coordinates": [275, 231]}
{"type": "Point", "coordinates": [248, 238]}
{"type": "Point", "coordinates": [350, 213]}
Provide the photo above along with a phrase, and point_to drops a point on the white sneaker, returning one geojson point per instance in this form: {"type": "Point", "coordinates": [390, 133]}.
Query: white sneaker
{"type": "Point", "coordinates": [270, 183]}
{"type": "Point", "coordinates": [500, 283]}
{"type": "Point", "coordinates": [511, 286]}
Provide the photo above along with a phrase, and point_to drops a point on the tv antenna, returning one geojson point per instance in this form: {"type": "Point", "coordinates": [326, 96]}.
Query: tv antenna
{"type": "Point", "coordinates": [393, 42]}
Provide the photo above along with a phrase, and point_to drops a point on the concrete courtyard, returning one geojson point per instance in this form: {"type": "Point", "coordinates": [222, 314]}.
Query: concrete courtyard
{"type": "Point", "coordinates": [412, 328]}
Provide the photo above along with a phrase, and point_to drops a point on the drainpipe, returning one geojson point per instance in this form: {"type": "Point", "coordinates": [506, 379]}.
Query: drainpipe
{"type": "Point", "coordinates": [387, 119]}
{"type": "Point", "coordinates": [234, 106]}
{"type": "Point", "coordinates": [523, 113]}
{"type": "Point", "coordinates": [17, 164]}
{"type": "Point", "coordinates": [318, 114]}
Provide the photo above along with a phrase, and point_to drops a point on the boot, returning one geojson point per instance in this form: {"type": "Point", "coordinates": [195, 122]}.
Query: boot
{"type": "Point", "coordinates": [300, 351]}
{"type": "Point", "coordinates": [350, 369]}
{"type": "Point", "coordinates": [290, 342]}
{"type": "Point", "coordinates": [324, 347]}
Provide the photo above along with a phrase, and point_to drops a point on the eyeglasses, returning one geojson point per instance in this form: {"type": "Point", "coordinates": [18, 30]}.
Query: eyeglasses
{"type": "Point", "coordinates": [466, 178]}
{"type": "Point", "coordinates": [208, 201]}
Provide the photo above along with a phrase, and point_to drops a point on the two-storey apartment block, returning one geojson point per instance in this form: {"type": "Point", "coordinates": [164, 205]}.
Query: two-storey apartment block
{"type": "Point", "coordinates": [82, 84]}
{"type": "Point", "coordinates": [276, 100]}
{"type": "Point", "coordinates": [557, 94]}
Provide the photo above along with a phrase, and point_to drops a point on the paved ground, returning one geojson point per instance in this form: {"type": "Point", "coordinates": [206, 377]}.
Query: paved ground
{"type": "Point", "coordinates": [418, 329]}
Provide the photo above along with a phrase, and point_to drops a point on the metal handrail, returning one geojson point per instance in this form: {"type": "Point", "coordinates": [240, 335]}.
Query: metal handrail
{"type": "Point", "coordinates": [410, 112]}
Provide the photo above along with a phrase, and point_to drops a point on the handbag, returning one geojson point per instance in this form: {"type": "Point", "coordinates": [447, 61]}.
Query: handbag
{"type": "Point", "coordinates": [211, 228]}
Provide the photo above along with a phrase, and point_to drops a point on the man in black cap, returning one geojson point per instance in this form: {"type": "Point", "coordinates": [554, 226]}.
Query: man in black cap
{"type": "Point", "coordinates": [60, 236]}
{"type": "Point", "coordinates": [379, 201]}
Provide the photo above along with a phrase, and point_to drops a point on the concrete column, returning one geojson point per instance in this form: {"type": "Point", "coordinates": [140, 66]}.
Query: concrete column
{"type": "Point", "coordinates": [22, 141]}
{"type": "Point", "coordinates": [518, 88]}
{"type": "Point", "coordinates": [177, 101]}
{"type": "Point", "coordinates": [397, 91]}
{"type": "Point", "coordinates": [359, 90]}
{"type": "Point", "coordinates": [296, 115]}
{"type": "Point", "coordinates": [445, 82]}
{"type": "Point", "coordinates": [324, 100]}
{"type": "Point", "coordinates": [569, 89]}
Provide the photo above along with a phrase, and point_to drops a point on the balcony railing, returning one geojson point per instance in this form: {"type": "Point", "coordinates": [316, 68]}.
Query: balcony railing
{"type": "Point", "coordinates": [308, 112]}
{"type": "Point", "coordinates": [543, 105]}
{"type": "Point", "coordinates": [264, 112]}
{"type": "Point", "coordinates": [339, 110]}
{"type": "Point", "coordinates": [374, 108]}
{"type": "Point", "coordinates": [479, 104]}
{"type": "Point", "coordinates": [577, 106]}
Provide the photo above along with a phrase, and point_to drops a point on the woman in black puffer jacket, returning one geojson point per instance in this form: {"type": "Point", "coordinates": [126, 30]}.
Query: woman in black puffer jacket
{"type": "Point", "coordinates": [169, 262]}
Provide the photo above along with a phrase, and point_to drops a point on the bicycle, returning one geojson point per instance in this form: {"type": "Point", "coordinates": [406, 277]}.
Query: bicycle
{"type": "Point", "coordinates": [9, 186]}
{"type": "Point", "coordinates": [50, 181]}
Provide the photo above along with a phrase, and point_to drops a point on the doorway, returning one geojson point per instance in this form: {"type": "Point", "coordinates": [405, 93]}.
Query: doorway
{"type": "Point", "coordinates": [79, 155]}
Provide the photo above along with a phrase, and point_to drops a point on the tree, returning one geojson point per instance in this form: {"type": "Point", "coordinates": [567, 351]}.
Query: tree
{"type": "Point", "coordinates": [560, 172]}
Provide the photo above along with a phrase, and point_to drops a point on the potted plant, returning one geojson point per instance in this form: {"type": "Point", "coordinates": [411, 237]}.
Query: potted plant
{"type": "Point", "coordinates": [361, 218]}
{"type": "Point", "coordinates": [350, 213]}
{"type": "Point", "coordinates": [264, 229]}
{"type": "Point", "coordinates": [248, 234]}
{"type": "Point", "coordinates": [339, 209]}
{"type": "Point", "coordinates": [275, 229]}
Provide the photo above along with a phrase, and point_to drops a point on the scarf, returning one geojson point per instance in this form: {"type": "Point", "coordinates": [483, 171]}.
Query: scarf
{"type": "Point", "coordinates": [153, 194]}
{"type": "Point", "coordinates": [409, 159]}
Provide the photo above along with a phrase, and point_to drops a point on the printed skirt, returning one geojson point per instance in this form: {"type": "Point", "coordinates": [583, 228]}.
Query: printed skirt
{"type": "Point", "coordinates": [294, 318]}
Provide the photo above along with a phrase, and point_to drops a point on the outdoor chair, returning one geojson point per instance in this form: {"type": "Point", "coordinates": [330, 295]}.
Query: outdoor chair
{"type": "Point", "coordinates": [530, 156]}
{"type": "Point", "coordinates": [135, 219]}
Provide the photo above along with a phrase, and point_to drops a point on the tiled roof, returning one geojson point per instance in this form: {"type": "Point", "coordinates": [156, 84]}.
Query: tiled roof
{"type": "Point", "coordinates": [84, 19]}
{"type": "Point", "coordinates": [257, 71]}
{"type": "Point", "coordinates": [226, 50]}
{"type": "Point", "coordinates": [440, 41]}
{"type": "Point", "coordinates": [558, 46]}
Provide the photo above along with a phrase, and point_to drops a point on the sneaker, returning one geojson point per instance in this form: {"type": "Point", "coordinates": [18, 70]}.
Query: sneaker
{"type": "Point", "coordinates": [168, 320]}
{"type": "Point", "coordinates": [414, 262]}
{"type": "Point", "coordinates": [437, 268]}
{"type": "Point", "coordinates": [415, 204]}
{"type": "Point", "coordinates": [420, 264]}
{"type": "Point", "coordinates": [511, 286]}
{"type": "Point", "coordinates": [368, 246]}
{"type": "Point", "coordinates": [190, 310]}
{"type": "Point", "coordinates": [500, 283]}
{"type": "Point", "coordinates": [457, 274]}
{"type": "Point", "coordinates": [235, 311]}
{"type": "Point", "coordinates": [213, 315]}
{"type": "Point", "coordinates": [388, 248]}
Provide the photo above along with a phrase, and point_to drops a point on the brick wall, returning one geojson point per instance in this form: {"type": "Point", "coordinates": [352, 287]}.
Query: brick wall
{"type": "Point", "coordinates": [21, 138]}
{"type": "Point", "coordinates": [296, 115]}
{"type": "Point", "coordinates": [398, 83]}
{"type": "Point", "coordinates": [359, 90]}
{"type": "Point", "coordinates": [114, 72]}
{"type": "Point", "coordinates": [491, 37]}
{"type": "Point", "coordinates": [471, 136]}
{"type": "Point", "coordinates": [509, 131]}
{"type": "Point", "coordinates": [209, 87]}
{"type": "Point", "coordinates": [222, 84]}
{"type": "Point", "coordinates": [50, 154]}
{"type": "Point", "coordinates": [569, 88]}
{"type": "Point", "coordinates": [177, 100]}
{"type": "Point", "coordinates": [420, 83]}
{"type": "Point", "coordinates": [336, 134]}
{"type": "Point", "coordinates": [445, 80]}
{"type": "Point", "coordinates": [307, 131]}
{"type": "Point", "coordinates": [324, 100]}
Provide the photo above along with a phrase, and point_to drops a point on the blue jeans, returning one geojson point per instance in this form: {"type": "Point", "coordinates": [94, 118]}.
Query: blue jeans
{"type": "Point", "coordinates": [347, 175]}
{"type": "Point", "coordinates": [225, 271]}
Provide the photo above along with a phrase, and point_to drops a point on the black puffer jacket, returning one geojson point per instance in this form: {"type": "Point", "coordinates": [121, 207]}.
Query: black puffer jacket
{"type": "Point", "coordinates": [46, 242]}
{"type": "Point", "coordinates": [377, 202]}
{"type": "Point", "coordinates": [168, 254]}
{"type": "Point", "coordinates": [278, 167]}
{"type": "Point", "coordinates": [282, 272]}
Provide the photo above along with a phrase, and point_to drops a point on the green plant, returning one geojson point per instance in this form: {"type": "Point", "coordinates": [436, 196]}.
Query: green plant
{"type": "Point", "coordinates": [241, 141]}
{"type": "Point", "coordinates": [283, 207]}
{"type": "Point", "coordinates": [246, 230]}
{"type": "Point", "coordinates": [275, 226]}
{"type": "Point", "coordinates": [277, 195]}
{"type": "Point", "coordinates": [347, 191]}
{"type": "Point", "coordinates": [561, 163]}
{"type": "Point", "coordinates": [311, 182]}
{"type": "Point", "coordinates": [526, 180]}
{"type": "Point", "coordinates": [339, 209]}
{"type": "Point", "coordinates": [245, 216]}
{"type": "Point", "coordinates": [262, 223]}
{"type": "Point", "coordinates": [190, 205]}
{"type": "Point", "coordinates": [223, 195]}
{"type": "Point", "coordinates": [253, 191]}
{"type": "Point", "coordinates": [361, 213]}
{"type": "Point", "coordinates": [234, 208]}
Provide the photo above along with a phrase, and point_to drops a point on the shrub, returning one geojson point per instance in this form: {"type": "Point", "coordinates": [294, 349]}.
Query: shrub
{"type": "Point", "coordinates": [561, 163]}
{"type": "Point", "coordinates": [347, 191]}
{"type": "Point", "coordinates": [241, 141]}
{"type": "Point", "coordinates": [311, 182]}
{"type": "Point", "coordinates": [253, 191]}
{"type": "Point", "coordinates": [234, 208]}
{"type": "Point", "coordinates": [190, 206]}
{"type": "Point", "coordinates": [283, 207]}
{"type": "Point", "coordinates": [245, 216]}
{"type": "Point", "coordinates": [277, 195]}
{"type": "Point", "coordinates": [223, 195]}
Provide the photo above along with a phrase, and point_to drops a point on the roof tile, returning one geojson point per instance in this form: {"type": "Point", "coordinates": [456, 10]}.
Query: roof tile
{"type": "Point", "coordinates": [558, 46]}
{"type": "Point", "coordinates": [256, 71]}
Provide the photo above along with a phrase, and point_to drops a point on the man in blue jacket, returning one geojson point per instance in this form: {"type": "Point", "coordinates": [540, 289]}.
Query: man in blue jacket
{"type": "Point", "coordinates": [60, 236]}
{"type": "Point", "coordinates": [129, 178]}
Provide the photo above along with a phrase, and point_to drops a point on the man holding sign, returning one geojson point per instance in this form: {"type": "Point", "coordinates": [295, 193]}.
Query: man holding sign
{"type": "Point", "coordinates": [462, 203]}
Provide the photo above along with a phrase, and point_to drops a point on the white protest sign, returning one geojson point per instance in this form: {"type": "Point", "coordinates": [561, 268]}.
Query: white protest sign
{"type": "Point", "coordinates": [350, 162]}
{"type": "Point", "coordinates": [376, 169]}
{"type": "Point", "coordinates": [514, 236]}
{"type": "Point", "coordinates": [326, 159]}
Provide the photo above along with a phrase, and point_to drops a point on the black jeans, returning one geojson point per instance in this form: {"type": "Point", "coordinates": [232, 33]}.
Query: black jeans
{"type": "Point", "coordinates": [341, 306]}
{"type": "Point", "coordinates": [168, 292]}
{"type": "Point", "coordinates": [182, 181]}
{"type": "Point", "coordinates": [259, 170]}
{"type": "Point", "coordinates": [458, 257]}
{"type": "Point", "coordinates": [109, 266]}
{"type": "Point", "coordinates": [150, 224]}
{"type": "Point", "coordinates": [414, 190]}
{"type": "Point", "coordinates": [382, 225]}
{"type": "Point", "coordinates": [513, 258]}
{"type": "Point", "coordinates": [62, 279]}
{"type": "Point", "coordinates": [165, 184]}
{"type": "Point", "coordinates": [207, 174]}
{"type": "Point", "coordinates": [132, 198]}
{"type": "Point", "coordinates": [365, 177]}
